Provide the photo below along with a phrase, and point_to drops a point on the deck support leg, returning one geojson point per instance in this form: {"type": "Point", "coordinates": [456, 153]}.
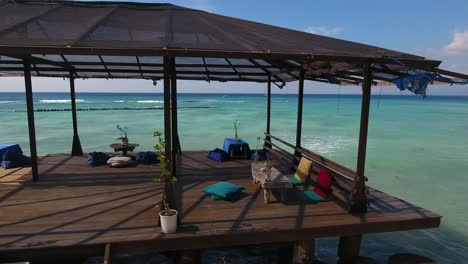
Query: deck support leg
{"type": "Point", "coordinates": [358, 197]}
{"type": "Point", "coordinates": [31, 124]}
{"type": "Point", "coordinates": [268, 117]}
{"type": "Point", "coordinates": [304, 252]}
{"type": "Point", "coordinates": [348, 248]}
{"type": "Point", "coordinates": [77, 150]}
{"type": "Point", "coordinates": [188, 257]}
{"type": "Point", "coordinates": [108, 254]}
{"type": "Point", "coordinates": [300, 100]}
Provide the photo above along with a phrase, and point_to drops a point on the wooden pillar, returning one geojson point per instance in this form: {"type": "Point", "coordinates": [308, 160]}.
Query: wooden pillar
{"type": "Point", "coordinates": [348, 248]}
{"type": "Point", "coordinates": [76, 146]}
{"type": "Point", "coordinates": [167, 107]}
{"type": "Point", "coordinates": [174, 128]}
{"type": "Point", "coordinates": [268, 117]}
{"type": "Point", "coordinates": [304, 252]}
{"type": "Point", "coordinates": [31, 125]}
{"type": "Point", "coordinates": [300, 100]}
{"type": "Point", "coordinates": [358, 197]}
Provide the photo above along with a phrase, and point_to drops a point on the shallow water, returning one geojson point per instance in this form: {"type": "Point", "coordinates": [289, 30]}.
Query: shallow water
{"type": "Point", "coordinates": [416, 148]}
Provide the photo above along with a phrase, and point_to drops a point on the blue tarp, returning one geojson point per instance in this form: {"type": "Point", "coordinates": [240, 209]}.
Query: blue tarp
{"type": "Point", "coordinates": [417, 83]}
{"type": "Point", "coordinates": [233, 142]}
{"type": "Point", "coordinates": [9, 147]}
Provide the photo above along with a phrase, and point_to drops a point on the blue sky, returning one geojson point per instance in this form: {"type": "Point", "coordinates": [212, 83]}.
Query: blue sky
{"type": "Point", "coordinates": [434, 29]}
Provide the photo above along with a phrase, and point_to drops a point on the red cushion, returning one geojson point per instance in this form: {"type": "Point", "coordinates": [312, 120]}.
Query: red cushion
{"type": "Point", "coordinates": [325, 181]}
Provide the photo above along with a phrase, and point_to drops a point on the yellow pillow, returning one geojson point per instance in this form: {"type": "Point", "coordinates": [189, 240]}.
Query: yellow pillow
{"type": "Point", "coordinates": [303, 169]}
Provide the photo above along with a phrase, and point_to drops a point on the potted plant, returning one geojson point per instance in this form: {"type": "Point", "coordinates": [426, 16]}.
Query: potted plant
{"type": "Point", "coordinates": [236, 127]}
{"type": "Point", "coordinates": [168, 216]}
{"type": "Point", "coordinates": [123, 134]}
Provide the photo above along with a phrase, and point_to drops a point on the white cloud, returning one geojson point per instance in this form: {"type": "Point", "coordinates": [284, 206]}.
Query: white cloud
{"type": "Point", "coordinates": [459, 44]}
{"type": "Point", "coordinates": [324, 30]}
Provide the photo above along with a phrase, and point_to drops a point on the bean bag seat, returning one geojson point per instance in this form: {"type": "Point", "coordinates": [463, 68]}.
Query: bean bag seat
{"type": "Point", "coordinates": [97, 158]}
{"type": "Point", "coordinates": [147, 157]}
{"type": "Point", "coordinates": [218, 155]}
{"type": "Point", "coordinates": [13, 159]}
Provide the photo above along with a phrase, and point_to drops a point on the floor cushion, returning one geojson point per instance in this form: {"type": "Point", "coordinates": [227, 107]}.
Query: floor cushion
{"type": "Point", "coordinates": [324, 183]}
{"type": "Point", "coordinates": [120, 162]}
{"type": "Point", "coordinates": [223, 191]}
{"type": "Point", "coordinates": [303, 170]}
{"type": "Point", "coordinates": [295, 181]}
{"type": "Point", "coordinates": [312, 197]}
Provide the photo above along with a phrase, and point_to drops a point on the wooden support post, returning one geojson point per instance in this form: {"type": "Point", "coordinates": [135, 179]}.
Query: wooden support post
{"type": "Point", "coordinates": [304, 252]}
{"type": "Point", "coordinates": [348, 249]}
{"type": "Point", "coordinates": [358, 197]}
{"type": "Point", "coordinates": [167, 108]}
{"type": "Point", "coordinates": [300, 100]}
{"type": "Point", "coordinates": [76, 145]}
{"type": "Point", "coordinates": [268, 117]}
{"type": "Point", "coordinates": [174, 126]}
{"type": "Point", "coordinates": [167, 125]}
{"type": "Point", "coordinates": [31, 125]}
{"type": "Point", "coordinates": [108, 254]}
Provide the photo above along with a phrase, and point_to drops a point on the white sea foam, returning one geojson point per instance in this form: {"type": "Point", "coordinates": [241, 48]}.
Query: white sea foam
{"type": "Point", "coordinates": [119, 101]}
{"type": "Point", "coordinates": [326, 144]}
{"type": "Point", "coordinates": [47, 101]}
{"type": "Point", "coordinates": [8, 102]}
{"type": "Point", "coordinates": [150, 102]}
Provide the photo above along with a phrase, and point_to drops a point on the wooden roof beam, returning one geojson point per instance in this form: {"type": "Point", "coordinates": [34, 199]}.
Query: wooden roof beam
{"type": "Point", "coordinates": [333, 69]}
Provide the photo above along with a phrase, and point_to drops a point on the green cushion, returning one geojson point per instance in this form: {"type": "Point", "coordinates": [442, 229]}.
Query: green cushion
{"type": "Point", "coordinates": [311, 197]}
{"type": "Point", "coordinates": [295, 181]}
{"type": "Point", "coordinates": [224, 191]}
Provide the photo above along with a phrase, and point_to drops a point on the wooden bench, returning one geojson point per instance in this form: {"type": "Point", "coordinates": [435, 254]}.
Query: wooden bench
{"type": "Point", "coordinates": [343, 177]}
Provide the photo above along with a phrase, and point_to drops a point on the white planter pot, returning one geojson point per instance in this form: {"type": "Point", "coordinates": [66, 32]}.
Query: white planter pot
{"type": "Point", "coordinates": [168, 222]}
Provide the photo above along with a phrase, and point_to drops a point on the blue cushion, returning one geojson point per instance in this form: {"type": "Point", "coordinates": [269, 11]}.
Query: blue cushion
{"type": "Point", "coordinates": [295, 181]}
{"type": "Point", "coordinates": [218, 155]}
{"type": "Point", "coordinates": [311, 197]}
{"type": "Point", "coordinates": [97, 158]}
{"type": "Point", "coordinates": [224, 191]}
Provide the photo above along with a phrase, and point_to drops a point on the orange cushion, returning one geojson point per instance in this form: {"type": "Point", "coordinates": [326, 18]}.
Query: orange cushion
{"type": "Point", "coordinates": [303, 169]}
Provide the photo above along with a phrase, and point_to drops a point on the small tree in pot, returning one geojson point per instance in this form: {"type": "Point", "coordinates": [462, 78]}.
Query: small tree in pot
{"type": "Point", "coordinates": [123, 134]}
{"type": "Point", "coordinates": [167, 215]}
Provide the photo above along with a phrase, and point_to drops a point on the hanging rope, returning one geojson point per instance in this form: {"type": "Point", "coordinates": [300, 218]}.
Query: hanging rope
{"type": "Point", "coordinates": [380, 96]}
{"type": "Point", "coordinates": [339, 98]}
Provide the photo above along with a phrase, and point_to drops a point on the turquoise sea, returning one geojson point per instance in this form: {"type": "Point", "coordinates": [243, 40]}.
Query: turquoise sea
{"type": "Point", "coordinates": [417, 148]}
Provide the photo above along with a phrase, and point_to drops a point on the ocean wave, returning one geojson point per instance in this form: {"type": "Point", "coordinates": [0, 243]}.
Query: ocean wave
{"type": "Point", "coordinates": [120, 101]}
{"type": "Point", "coordinates": [213, 101]}
{"type": "Point", "coordinates": [150, 102]}
{"type": "Point", "coordinates": [9, 102]}
{"type": "Point", "coordinates": [59, 101]}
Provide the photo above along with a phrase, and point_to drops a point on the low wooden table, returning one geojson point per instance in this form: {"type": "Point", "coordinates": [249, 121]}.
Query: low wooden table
{"type": "Point", "coordinates": [123, 148]}
{"type": "Point", "coordinates": [277, 181]}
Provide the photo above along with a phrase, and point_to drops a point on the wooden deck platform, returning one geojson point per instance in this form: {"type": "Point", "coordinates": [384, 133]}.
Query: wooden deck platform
{"type": "Point", "coordinates": [75, 210]}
